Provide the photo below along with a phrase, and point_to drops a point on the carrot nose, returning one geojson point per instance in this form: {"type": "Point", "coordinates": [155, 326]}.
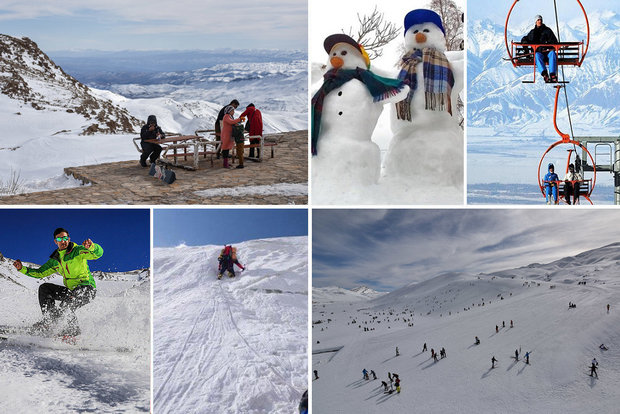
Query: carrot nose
{"type": "Point", "coordinates": [336, 62]}
{"type": "Point", "coordinates": [420, 37]}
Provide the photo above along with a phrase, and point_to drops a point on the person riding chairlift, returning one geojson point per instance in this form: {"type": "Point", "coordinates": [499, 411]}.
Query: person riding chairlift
{"type": "Point", "coordinates": [551, 184]}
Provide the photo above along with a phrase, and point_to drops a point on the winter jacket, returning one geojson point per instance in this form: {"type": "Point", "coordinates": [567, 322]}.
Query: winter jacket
{"type": "Point", "coordinates": [550, 176]}
{"type": "Point", "coordinates": [255, 118]}
{"type": "Point", "coordinates": [540, 35]}
{"type": "Point", "coordinates": [71, 263]}
{"type": "Point", "coordinates": [228, 261]}
{"type": "Point", "coordinates": [146, 134]}
{"type": "Point", "coordinates": [227, 139]}
{"type": "Point", "coordinates": [573, 176]}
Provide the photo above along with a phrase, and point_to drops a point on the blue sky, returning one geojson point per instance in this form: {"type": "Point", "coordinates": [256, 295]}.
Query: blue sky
{"type": "Point", "coordinates": [388, 249]}
{"type": "Point", "coordinates": [124, 235]}
{"type": "Point", "coordinates": [157, 24]}
{"type": "Point", "coordinates": [199, 227]}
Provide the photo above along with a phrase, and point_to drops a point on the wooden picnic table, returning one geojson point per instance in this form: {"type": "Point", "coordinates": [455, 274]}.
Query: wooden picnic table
{"type": "Point", "coordinates": [182, 142]}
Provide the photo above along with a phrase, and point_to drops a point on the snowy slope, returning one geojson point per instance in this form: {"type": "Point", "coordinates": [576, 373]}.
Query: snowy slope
{"type": "Point", "coordinates": [338, 294]}
{"type": "Point", "coordinates": [92, 376]}
{"type": "Point", "coordinates": [231, 345]}
{"type": "Point", "coordinates": [449, 311]}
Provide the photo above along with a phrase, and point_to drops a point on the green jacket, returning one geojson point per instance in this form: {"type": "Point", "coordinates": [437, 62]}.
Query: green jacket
{"type": "Point", "coordinates": [71, 263]}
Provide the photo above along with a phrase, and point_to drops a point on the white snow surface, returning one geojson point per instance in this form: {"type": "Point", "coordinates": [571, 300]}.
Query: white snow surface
{"type": "Point", "coordinates": [46, 375]}
{"type": "Point", "coordinates": [280, 189]}
{"type": "Point", "coordinates": [231, 345]}
{"type": "Point", "coordinates": [449, 311]}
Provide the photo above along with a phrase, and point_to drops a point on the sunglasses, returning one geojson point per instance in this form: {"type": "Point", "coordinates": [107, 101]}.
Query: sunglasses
{"type": "Point", "coordinates": [64, 238]}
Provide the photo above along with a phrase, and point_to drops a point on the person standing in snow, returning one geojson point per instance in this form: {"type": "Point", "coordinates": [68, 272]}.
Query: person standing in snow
{"type": "Point", "coordinates": [70, 260]}
{"type": "Point", "coordinates": [517, 354]}
{"type": "Point", "coordinates": [397, 384]}
{"type": "Point", "coordinates": [397, 354]}
{"type": "Point", "coordinates": [503, 324]}
{"type": "Point", "coordinates": [527, 357]}
{"type": "Point", "coordinates": [477, 342]}
{"type": "Point", "coordinates": [496, 329]}
{"type": "Point", "coordinates": [150, 130]}
{"type": "Point", "coordinates": [374, 376]}
{"type": "Point", "coordinates": [385, 386]}
{"type": "Point", "coordinates": [254, 126]}
{"type": "Point", "coordinates": [424, 349]}
{"type": "Point", "coordinates": [218, 125]}
{"type": "Point", "coordinates": [365, 374]}
{"type": "Point", "coordinates": [493, 361]}
{"type": "Point", "coordinates": [443, 352]}
{"type": "Point", "coordinates": [511, 323]}
{"type": "Point", "coordinates": [316, 374]}
{"type": "Point", "coordinates": [593, 368]}
{"type": "Point", "coordinates": [227, 260]}
{"type": "Point", "coordinates": [608, 308]}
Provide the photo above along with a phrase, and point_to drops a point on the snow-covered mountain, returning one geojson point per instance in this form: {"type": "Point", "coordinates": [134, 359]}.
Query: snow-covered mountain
{"type": "Point", "coordinates": [107, 371]}
{"type": "Point", "coordinates": [497, 98]}
{"type": "Point", "coordinates": [29, 77]}
{"type": "Point", "coordinates": [334, 294]}
{"type": "Point", "coordinates": [232, 345]}
{"type": "Point", "coordinates": [449, 311]}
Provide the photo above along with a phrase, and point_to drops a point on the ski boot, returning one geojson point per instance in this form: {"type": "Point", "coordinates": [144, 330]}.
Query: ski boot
{"type": "Point", "coordinates": [219, 276]}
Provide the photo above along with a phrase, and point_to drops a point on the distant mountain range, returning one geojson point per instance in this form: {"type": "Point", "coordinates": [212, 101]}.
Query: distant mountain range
{"type": "Point", "coordinates": [497, 98]}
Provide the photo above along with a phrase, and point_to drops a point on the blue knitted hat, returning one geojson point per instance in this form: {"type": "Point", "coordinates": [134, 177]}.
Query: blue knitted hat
{"type": "Point", "coordinates": [419, 16]}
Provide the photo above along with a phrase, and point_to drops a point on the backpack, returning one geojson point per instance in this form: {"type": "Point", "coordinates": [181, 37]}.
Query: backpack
{"type": "Point", "coordinates": [237, 133]}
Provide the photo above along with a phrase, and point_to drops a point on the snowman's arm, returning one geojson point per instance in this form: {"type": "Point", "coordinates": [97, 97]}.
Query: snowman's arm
{"type": "Point", "coordinates": [398, 97]}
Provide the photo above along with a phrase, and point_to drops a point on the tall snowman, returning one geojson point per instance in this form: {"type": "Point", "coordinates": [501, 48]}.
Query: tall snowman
{"type": "Point", "coordinates": [345, 111]}
{"type": "Point", "coordinates": [427, 142]}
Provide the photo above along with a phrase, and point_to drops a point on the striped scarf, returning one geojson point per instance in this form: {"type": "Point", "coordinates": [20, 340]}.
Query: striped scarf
{"type": "Point", "coordinates": [438, 81]}
{"type": "Point", "coordinates": [379, 87]}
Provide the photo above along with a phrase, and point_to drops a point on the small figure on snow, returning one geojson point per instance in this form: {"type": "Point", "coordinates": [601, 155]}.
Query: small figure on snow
{"type": "Point", "coordinates": [511, 325]}
{"type": "Point", "coordinates": [365, 374]}
{"type": "Point", "coordinates": [397, 384]}
{"type": "Point", "coordinates": [608, 308]}
{"type": "Point", "coordinates": [397, 354]}
{"type": "Point", "coordinates": [527, 357]}
{"type": "Point", "coordinates": [594, 367]}
{"type": "Point", "coordinates": [496, 329]}
{"type": "Point", "coordinates": [477, 341]}
{"type": "Point", "coordinates": [316, 374]}
{"type": "Point", "coordinates": [517, 354]}
{"type": "Point", "coordinates": [385, 386]}
{"type": "Point", "coordinates": [227, 260]}
{"type": "Point", "coordinates": [71, 261]}
{"type": "Point", "coordinates": [374, 376]}
{"type": "Point", "coordinates": [493, 361]}
{"type": "Point", "coordinates": [443, 352]}
{"type": "Point", "coordinates": [503, 324]}
{"type": "Point", "coordinates": [603, 347]}
{"type": "Point", "coordinates": [424, 348]}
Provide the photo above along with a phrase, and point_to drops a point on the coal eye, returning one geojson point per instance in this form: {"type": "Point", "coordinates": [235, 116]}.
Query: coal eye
{"type": "Point", "coordinates": [415, 31]}
{"type": "Point", "coordinates": [425, 30]}
{"type": "Point", "coordinates": [343, 53]}
{"type": "Point", "coordinates": [334, 54]}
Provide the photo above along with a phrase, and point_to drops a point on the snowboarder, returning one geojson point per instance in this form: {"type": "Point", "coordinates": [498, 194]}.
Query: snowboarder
{"type": "Point", "coordinates": [150, 130]}
{"type": "Point", "coordinates": [397, 354]}
{"type": "Point", "coordinates": [593, 367]}
{"type": "Point", "coordinates": [477, 342]}
{"type": "Point", "coordinates": [385, 386]}
{"type": "Point", "coordinates": [527, 357]}
{"type": "Point", "coordinates": [424, 349]}
{"type": "Point", "coordinates": [365, 374]}
{"type": "Point", "coordinates": [345, 111]}
{"type": "Point", "coordinates": [316, 374]}
{"type": "Point", "coordinates": [517, 354]}
{"type": "Point", "coordinates": [493, 361]}
{"type": "Point", "coordinates": [374, 376]}
{"type": "Point", "coordinates": [228, 258]}
{"type": "Point", "coordinates": [70, 260]}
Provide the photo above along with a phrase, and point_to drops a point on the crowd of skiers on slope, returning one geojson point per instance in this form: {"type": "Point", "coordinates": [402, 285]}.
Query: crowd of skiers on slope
{"type": "Point", "coordinates": [228, 129]}
{"type": "Point", "coordinates": [392, 377]}
{"type": "Point", "coordinates": [227, 259]}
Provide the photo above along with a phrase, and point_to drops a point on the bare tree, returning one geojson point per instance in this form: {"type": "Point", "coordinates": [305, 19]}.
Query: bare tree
{"type": "Point", "coordinates": [452, 18]}
{"type": "Point", "coordinates": [374, 33]}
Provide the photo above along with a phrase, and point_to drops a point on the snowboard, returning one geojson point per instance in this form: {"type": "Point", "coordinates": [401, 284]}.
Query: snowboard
{"type": "Point", "coordinates": [164, 174]}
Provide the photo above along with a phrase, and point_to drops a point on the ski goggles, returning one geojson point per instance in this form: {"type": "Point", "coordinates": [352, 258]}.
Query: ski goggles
{"type": "Point", "coordinates": [64, 238]}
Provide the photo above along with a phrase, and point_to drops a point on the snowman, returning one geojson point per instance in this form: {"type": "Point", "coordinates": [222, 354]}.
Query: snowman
{"type": "Point", "coordinates": [427, 142]}
{"type": "Point", "coordinates": [345, 111]}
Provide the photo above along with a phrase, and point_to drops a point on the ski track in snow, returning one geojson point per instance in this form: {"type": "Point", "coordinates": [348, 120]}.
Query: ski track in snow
{"type": "Point", "coordinates": [241, 348]}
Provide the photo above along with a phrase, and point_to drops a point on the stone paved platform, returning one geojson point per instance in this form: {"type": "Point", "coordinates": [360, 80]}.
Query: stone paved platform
{"type": "Point", "coordinates": [126, 182]}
